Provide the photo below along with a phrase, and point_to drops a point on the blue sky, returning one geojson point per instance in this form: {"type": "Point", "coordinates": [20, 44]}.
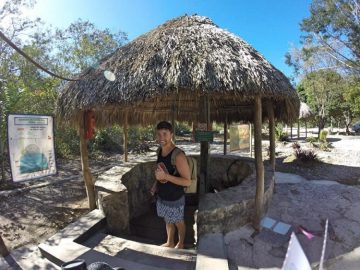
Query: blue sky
{"type": "Point", "coordinates": [270, 26]}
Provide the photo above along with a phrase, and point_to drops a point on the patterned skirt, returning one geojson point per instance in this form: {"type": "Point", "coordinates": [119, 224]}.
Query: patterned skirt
{"type": "Point", "coordinates": [171, 211]}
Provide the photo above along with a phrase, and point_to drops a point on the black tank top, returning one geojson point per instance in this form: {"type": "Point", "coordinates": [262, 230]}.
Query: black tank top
{"type": "Point", "coordinates": [169, 191]}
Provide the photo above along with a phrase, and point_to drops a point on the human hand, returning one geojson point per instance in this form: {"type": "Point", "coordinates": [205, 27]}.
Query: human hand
{"type": "Point", "coordinates": [160, 175]}
{"type": "Point", "coordinates": [153, 190]}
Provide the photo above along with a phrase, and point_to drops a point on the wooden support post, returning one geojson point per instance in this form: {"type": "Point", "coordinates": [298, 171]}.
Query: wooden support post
{"type": "Point", "coordinates": [270, 110]}
{"type": "Point", "coordinates": [305, 129]}
{"type": "Point", "coordinates": [291, 133]}
{"type": "Point", "coordinates": [125, 137]}
{"type": "Point", "coordinates": [259, 197]}
{"type": "Point", "coordinates": [89, 184]}
{"type": "Point", "coordinates": [251, 139]}
{"type": "Point", "coordinates": [3, 249]}
{"type": "Point", "coordinates": [173, 114]}
{"type": "Point", "coordinates": [225, 134]}
{"type": "Point", "coordinates": [204, 146]}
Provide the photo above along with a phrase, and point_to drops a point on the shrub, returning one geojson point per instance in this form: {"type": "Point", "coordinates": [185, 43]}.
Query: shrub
{"type": "Point", "coordinates": [182, 128]}
{"type": "Point", "coordinates": [280, 135]}
{"type": "Point", "coordinates": [311, 140]}
{"type": "Point", "coordinates": [296, 145]}
{"type": "Point", "coordinates": [323, 135]}
{"type": "Point", "coordinates": [66, 142]}
{"type": "Point", "coordinates": [305, 155]}
{"type": "Point", "coordinates": [325, 146]}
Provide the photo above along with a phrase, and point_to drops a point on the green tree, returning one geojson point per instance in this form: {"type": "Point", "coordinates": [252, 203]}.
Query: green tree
{"type": "Point", "coordinates": [323, 90]}
{"type": "Point", "coordinates": [82, 45]}
{"type": "Point", "coordinates": [26, 89]}
{"type": "Point", "coordinates": [335, 26]}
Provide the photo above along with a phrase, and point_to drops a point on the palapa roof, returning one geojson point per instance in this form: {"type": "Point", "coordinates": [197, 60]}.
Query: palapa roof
{"type": "Point", "coordinates": [171, 67]}
{"type": "Point", "coordinates": [305, 111]}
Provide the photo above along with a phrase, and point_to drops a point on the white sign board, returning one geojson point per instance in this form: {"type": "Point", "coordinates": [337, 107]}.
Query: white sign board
{"type": "Point", "coordinates": [295, 257]}
{"type": "Point", "coordinates": [31, 146]}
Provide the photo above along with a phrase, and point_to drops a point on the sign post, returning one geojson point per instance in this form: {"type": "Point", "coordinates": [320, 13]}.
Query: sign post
{"type": "Point", "coordinates": [31, 146]}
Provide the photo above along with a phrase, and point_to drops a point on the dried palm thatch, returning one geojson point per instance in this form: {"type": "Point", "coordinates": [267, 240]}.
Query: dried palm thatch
{"type": "Point", "coordinates": [169, 68]}
{"type": "Point", "coordinates": [305, 111]}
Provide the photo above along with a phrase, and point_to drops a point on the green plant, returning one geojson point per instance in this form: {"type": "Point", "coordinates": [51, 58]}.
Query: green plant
{"type": "Point", "coordinates": [305, 155]}
{"type": "Point", "coordinates": [323, 136]}
{"type": "Point", "coordinates": [325, 146]}
{"type": "Point", "coordinates": [311, 140]}
{"type": "Point", "coordinates": [296, 145]}
{"type": "Point", "coordinates": [182, 128]}
{"type": "Point", "coordinates": [281, 135]}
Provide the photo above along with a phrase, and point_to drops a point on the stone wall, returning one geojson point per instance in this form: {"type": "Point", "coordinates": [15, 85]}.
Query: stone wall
{"type": "Point", "coordinates": [123, 193]}
{"type": "Point", "coordinates": [233, 207]}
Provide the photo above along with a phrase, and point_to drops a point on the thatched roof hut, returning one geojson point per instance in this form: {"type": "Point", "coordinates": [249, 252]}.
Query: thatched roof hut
{"type": "Point", "coordinates": [305, 111]}
{"type": "Point", "coordinates": [187, 69]}
{"type": "Point", "coordinates": [171, 67]}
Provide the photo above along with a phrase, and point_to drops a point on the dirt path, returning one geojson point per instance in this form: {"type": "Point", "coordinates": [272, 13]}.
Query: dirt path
{"type": "Point", "coordinates": [39, 208]}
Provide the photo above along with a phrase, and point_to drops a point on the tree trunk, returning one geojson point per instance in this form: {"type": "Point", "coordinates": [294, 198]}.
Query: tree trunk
{"type": "Point", "coordinates": [321, 125]}
{"type": "Point", "coordinates": [89, 184]}
{"type": "Point", "coordinates": [259, 197]}
{"type": "Point", "coordinates": [298, 129]}
{"type": "Point", "coordinates": [348, 118]}
{"type": "Point", "coordinates": [2, 159]}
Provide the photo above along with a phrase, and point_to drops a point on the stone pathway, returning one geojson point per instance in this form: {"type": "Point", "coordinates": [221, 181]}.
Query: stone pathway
{"type": "Point", "coordinates": [300, 202]}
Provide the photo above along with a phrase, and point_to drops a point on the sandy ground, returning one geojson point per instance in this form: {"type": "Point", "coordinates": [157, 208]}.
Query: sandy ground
{"type": "Point", "coordinates": [42, 207]}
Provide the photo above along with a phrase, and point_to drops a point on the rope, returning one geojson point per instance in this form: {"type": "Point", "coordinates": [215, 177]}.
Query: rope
{"type": "Point", "coordinates": [11, 44]}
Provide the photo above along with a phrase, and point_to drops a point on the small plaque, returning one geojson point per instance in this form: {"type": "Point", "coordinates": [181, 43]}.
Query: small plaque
{"type": "Point", "coordinates": [204, 136]}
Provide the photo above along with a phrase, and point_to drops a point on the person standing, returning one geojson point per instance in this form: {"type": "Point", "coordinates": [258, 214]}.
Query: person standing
{"type": "Point", "coordinates": [170, 183]}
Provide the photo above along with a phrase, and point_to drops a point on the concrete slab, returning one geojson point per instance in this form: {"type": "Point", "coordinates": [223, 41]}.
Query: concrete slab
{"type": "Point", "coordinates": [288, 178]}
{"type": "Point", "coordinates": [62, 247]}
{"type": "Point", "coordinates": [211, 252]}
{"type": "Point", "coordinates": [349, 261]}
{"type": "Point", "coordinates": [324, 182]}
{"type": "Point", "coordinates": [26, 257]}
{"type": "Point", "coordinates": [95, 256]}
{"type": "Point", "coordinates": [147, 254]}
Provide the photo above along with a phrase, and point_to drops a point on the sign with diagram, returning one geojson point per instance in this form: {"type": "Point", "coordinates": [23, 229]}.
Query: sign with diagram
{"type": "Point", "coordinates": [31, 146]}
{"type": "Point", "coordinates": [239, 137]}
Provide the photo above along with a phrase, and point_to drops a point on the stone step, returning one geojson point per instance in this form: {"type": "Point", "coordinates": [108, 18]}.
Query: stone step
{"type": "Point", "coordinates": [147, 254]}
{"type": "Point", "coordinates": [150, 226]}
{"type": "Point", "coordinates": [92, 256]}
{"type": "Point", "coordinates": [212, 253]}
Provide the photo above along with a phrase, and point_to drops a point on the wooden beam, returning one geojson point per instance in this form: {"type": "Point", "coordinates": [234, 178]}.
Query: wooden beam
{"type": "Point", "coordinates": [173, 113]}
{"type": "Point", "coordinates": [259, 197]}
{"type": "Point", "coordinates": [3, 249]}
{"type": "Point", "coordinates": [225, 134]}
{"type": "Point", "coordinates": [204, 146]}
{"type": "Point", "coordinates": [125, 137]}
{"type": "Point", "coordinates": [251, 139]}
{"type": "Point", "coordinates": [270, 110]}
{"type": "Point", "coordinates": [89, 184]}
